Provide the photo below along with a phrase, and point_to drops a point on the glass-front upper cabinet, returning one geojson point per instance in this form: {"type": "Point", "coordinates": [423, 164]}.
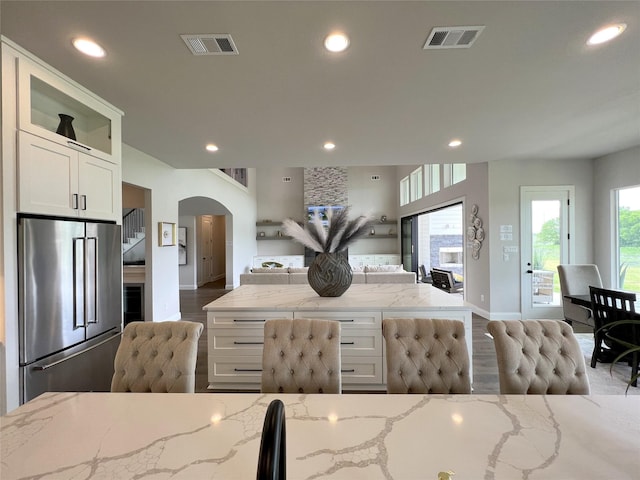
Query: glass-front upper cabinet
{"type": "Point", "coordinates": [45, 98]}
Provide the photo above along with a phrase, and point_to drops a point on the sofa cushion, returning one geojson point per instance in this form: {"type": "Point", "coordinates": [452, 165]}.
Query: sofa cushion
{"type": "Point", "coordinates": [264, 279]}
{"type": "Point", "coordinates": [269, 270]}
{"type": "Point", "coordinates": [359, 278]}
{"type": "Point", "coordinates": [383, 268]}
{"type": "Point", "coordinates": [391, 277]}
{"type": "Point", "coordinates": [298, 269]}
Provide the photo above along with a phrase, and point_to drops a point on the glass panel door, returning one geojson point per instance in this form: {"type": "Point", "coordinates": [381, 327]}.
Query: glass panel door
{"type": "Point", "coordinates": [408, 242]}
{"type": "Point", "coordinates": [545, 245]}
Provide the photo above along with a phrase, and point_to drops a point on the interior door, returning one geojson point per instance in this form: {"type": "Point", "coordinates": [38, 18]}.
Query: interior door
{"type": "Point", "coordinates": [207, 249]}
{"type": "Point", "coordinates": [546, 226]}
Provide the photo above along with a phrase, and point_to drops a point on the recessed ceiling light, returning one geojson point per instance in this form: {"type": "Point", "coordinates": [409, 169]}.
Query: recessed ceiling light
{"type": "Point", "coordinates": [607, 33]}
{"type": "Point", "coordinates": [329, 146]}
{"type": "Point", "coordinates": [89, 47]}
{"type": "Point", "coordinates": [212, 147]}
{"type": "Point", "coordinates": [455, 143]}
{"type": "Point", "coordinates": [336, 42]}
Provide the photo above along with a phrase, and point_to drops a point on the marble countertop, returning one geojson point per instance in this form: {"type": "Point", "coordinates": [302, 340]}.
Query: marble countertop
{"type": "Point", "coordinates": [376, 436]}
{"type": "Point", "coordinates": [357, 297]}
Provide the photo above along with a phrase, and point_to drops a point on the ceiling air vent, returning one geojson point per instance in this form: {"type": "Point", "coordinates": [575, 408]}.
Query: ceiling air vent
{"type": "Point", "coordinates": [452, 37]}
{"type": "Point", "coordinates": [210, 44]}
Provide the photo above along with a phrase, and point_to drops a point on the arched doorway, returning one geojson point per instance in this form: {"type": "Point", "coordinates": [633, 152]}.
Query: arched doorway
{"type": "Point", "coordinates": [203, 221]}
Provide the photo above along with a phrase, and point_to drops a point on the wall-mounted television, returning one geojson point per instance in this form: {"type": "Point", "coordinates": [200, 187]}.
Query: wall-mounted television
{"type": "Point", "coordinates": [323, 210]}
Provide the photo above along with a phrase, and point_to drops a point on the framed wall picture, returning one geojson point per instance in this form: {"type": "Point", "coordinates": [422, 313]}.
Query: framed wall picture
{"type": "Point", "coordinates": [166, 234]}
{"type": "Point", "coordinates": [182, 245]}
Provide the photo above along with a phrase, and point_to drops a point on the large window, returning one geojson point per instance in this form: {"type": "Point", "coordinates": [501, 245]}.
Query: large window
{"type": "Point", "coordinates": [416, 184]}
{"type": "Point", "coordinates": [454, 173]}
{"type": "Point", "coordinates": [628, 238]}
{"type": "Point", "coordinates": [404, 191]}
{"type": "Point", "coordinates": [440, 240]}
{"type": "Point", "coordinates": [432, 178]}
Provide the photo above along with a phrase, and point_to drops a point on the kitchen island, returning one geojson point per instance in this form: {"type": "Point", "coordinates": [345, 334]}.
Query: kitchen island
{"type": "Point", "coordinates": [359, 436]}
{"type": "Point", "coordinates": [235, 324]}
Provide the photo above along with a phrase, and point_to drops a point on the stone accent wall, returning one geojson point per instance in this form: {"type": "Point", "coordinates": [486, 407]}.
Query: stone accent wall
{"type": "Point", "coordinates": [325, 186]}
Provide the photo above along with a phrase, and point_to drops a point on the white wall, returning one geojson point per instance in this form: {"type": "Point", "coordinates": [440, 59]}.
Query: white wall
{"type": "Point", "coordinates": [611, 172]}
{"type": "Point", "coordinates": [168, 187]}
{"type": "Point", "coordinates": [278, 200]}
{"type": "Point", "coordinates": [505, 180]}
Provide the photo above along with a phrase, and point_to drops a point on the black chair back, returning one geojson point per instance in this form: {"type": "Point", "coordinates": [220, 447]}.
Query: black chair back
{"type": "Point", "coordinates": [610, 306]}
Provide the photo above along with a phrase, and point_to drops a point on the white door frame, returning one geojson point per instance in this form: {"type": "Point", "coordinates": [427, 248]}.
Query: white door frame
{"type": "Point", "coordinates": [566, 193]}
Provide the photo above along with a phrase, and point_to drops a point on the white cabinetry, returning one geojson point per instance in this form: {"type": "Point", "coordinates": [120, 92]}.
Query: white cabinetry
{"type": "Point", "coordinates": [58, 175]}
{"type": "Point", "coordinates": [235, 342]}
{"type": "Point", "coordinates": [57, 180]}
{"type": "Point", "coordinates": [43, 95]}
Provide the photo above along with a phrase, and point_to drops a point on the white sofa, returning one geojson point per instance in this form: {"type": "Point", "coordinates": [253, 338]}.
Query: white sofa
{"type": "Point", "coordinates": [298, 276]}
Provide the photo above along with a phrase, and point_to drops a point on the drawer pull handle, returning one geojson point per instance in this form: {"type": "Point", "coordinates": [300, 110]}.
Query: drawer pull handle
{"type": "Point", "coordinates": [351, 370]}
{"type": "Point", "coordinates": [241, 320]}
{"type": "Point", "coordinates": [347, 320]}
{"type": "Point", "coordinates": [78, 146]}
{"type": "Point", "coordinates": [347, 343]}
{"type": "Point", "coordinates": [247, 369]}
{"type": "Point", "coordinates": [248, 343]}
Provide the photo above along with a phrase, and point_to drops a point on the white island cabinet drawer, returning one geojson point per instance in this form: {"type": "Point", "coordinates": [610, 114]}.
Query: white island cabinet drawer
{"type": "Point", "coordinates": [245, 371]}
{"type": "Point", "coordinates": [361, 371]}
{"type": "Point", "coordinates": [231, 341]}
{"type": "Point", "coordinates": [360, 342]}
{"type": "Point", "coordinates": [245, 319]}
{"type": "Point", "coordinates": [347, 320]}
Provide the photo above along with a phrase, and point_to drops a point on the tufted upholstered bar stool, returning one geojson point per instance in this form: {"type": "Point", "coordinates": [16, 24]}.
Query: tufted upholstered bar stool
{"type": "Point", "coordinates": [157, 357]}
{"type": "Point", "coordinates": [426, 356]}
{"type": "Point", "coordinates": [538, 357]}
{"type": "Point", "coordinates": [301, 356]}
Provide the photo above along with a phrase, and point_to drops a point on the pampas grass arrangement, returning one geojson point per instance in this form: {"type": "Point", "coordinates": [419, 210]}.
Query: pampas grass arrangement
{"type": "Point", "coordinates": [339, 234]}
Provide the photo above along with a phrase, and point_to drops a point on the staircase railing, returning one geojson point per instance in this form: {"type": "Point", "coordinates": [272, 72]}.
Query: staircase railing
{"type": "Point", "coordinates": [132, 223]}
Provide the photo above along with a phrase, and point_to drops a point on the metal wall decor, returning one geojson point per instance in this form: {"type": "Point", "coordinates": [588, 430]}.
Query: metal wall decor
{"type": "Point", "coordinates": [475, 232]}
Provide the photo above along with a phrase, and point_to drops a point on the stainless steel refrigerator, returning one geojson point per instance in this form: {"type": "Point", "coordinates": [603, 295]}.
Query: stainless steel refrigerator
{"type": "Point", "coordinates": [70, 304]}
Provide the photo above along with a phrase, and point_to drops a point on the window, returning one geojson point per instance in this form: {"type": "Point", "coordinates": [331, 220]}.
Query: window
{"type": "Point", "coordinates": [416, 184]}
{"type": "Point", "coordinates": [432, 178]}
{"type": "Point", "coordinates": [459, 172]}
{"type": "Point", "coordinates": [453, 173]}
{"type": "Point", "coordinates": [404, 191]}
{"type": "Point", "coordinates": [628, 239]}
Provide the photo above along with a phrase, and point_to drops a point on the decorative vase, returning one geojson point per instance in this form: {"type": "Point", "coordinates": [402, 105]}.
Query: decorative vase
{"type": "Point", "coordinates": [330, 274]}
{"type": "Point", "coordinates": [64, 127]}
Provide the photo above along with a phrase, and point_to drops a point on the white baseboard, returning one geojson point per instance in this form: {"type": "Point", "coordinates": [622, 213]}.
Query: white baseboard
{"type": "Point", "coordinates": [188, 287]}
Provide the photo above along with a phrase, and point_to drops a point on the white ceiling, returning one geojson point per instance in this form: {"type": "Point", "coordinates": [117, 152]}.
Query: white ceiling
{"type": "Point", "coordinates": [529, 88]}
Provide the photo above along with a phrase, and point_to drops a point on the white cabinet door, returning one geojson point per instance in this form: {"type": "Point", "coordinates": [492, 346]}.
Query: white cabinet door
{"type": "Point", "coordinates": [99, 188]}
{"type": "Point", "coordinates": [57, 180]}
{"type": "Point", "coordinates": [47, 177]}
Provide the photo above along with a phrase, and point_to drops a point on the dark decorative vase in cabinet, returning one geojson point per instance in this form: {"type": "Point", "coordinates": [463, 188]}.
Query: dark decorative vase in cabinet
{"type": "Point", "coordinates": [65, 127]}
{"type": "Point", "coordinates": [330, 274]}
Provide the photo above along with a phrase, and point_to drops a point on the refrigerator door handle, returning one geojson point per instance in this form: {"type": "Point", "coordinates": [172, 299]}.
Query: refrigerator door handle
{"type": "Point", "coordinates": [78, 284]}
{"type": "Point", "coordinates": [82, 352]}
{"type": "Point", "coordinates": [91, 280]}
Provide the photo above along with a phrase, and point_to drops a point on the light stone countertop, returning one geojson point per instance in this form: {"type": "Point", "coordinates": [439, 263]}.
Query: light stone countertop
{"type": "Point", "coordinates": [203, 436]}
{"type": "Point", "coordinates": [358, 297]}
